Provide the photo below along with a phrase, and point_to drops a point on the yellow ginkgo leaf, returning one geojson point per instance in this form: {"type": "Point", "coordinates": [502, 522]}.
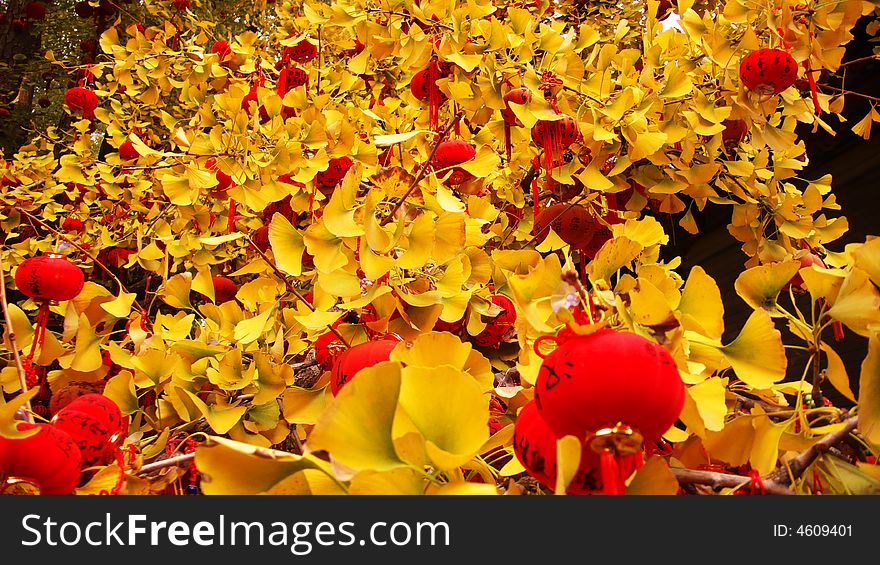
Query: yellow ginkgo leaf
{"type": "Point", "coordinates": [701, 306]}
{"type": "Point", "coordinates": [867, 258]}
{"type": "Point", "coordinates": [401, 481]}
{"type": "Point", "coordinates": [709, 399]}
{"type": "Point", "coordinates": [858, 304]}
{"type": "Point", "coordinates": [765, 446]}
{"type": "Point", "coordinates": [176, 291]}
{"type": "Point", "coordinates": [251, 329]}
{"type": "Point", "coordinates": [449, 409]}
{"type": "Point", "coordinates": [648, 304]}
{"type": "Point", "coordinates": [220, 416]}
{"type": "Point", "coordinates": [653, 478]}
{"type": "Point", "coordinates": [120, 389]}
{"type": "Point", "coordinates": [485, 162]}
{"type": "Point", "coordinates": [437, 349]}
{"type": "Point", "coordinates": [568, 461]}
{"type": "Point", "coordinates": [231, 467]}
{"type": "Point", "coordinates": [869, 393]}
{"type": "Point", "coordinates": [757, 355]}
{"type": "Point", "coordinates": [230, 374]}
{"type": "Point", "coordinates": [613, 255]}
{"type": "Point", "coordinates": [760, 286]}
{"type": "Point", "coordinates": [303, 406]}
{"type": "Point", "coordinates": [355, 427]}
{"type": "Point", "coordinates": [8, 421]}
{"type": "Point", "coordinates": [836, 372]}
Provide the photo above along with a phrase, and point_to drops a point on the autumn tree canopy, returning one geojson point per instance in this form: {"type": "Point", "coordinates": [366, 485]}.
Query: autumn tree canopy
{"type": "Point", "coordinates": [362, 236]}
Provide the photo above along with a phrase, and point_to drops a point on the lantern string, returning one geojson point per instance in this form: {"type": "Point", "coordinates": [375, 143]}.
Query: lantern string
{"type": "Point", "coordinates": [757, 484]}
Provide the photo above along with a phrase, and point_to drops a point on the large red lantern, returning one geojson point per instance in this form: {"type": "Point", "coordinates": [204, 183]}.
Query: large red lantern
{"type": "Point", "coordinates": [49, 277]}
{"type": "Point", "coordinates": [615, 388]}
{"type": "Point", "coordinates": [98, 406]}
{"type": "Point", "coordinates": [497, 327]}
{"type": "Point", "coordinates": [225, 289]}
{"type": "Point", "coordinates": [91, 437]}
{"type": "Point", "coordinates": [573, 224]}
{"type": "Point", "coordinates": [50, 460]}
{"type": "Point", "coordinates": [349, 362]}
{"type": "Point", "coordinates": [768, 71]}
{"type": "Point", "coordinates": [534, 444]}
{"type": "Point", "coordinates": [335, 171]}
{"type": "Point", "coordinates": [224, 181]}
{"type": "Point", "coordinates": [82, 100]}
{"type": "Point", "coordinates": [454, 152]}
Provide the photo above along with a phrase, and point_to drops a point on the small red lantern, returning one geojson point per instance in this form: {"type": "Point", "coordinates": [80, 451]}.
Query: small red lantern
{"type": "Point", "coordinates": [335, 171]}
{"type": "Point", "coordinates": [49, 277]}
{"type": "Point", "coordinates": [515, 96]}
{"type": "Point", "coordinates": [72, 225]}
{"type": "Point", "coordinates": [734, 131]}
{"type": "Point", "coordinates": [222, 49]}
{"type": "Point", "coordinates": [602, 235]}
{"type": "Point", "coordinates": [224, 289]}
{"type": "Point", "coordinates": [497, 327]}
{"type": "Point", "coordinates": [224, 181]}
{"type": "Point", "coordinates": [573, 224]}
{"type": "Point", "coordinates": [451, 153]}
{"type": "Point", "coordinates": [617, 389]}
{"type": "Point", "coordinates": [301, 51]}
{"type": "Point", "coordinates": [768, 71]}
{"type": "Point", "coordinates": [290, 78]}
{"type": "Point", "coordinates": [261, 238]}
{"type": "Point", "coordinates": [349, 362]}
{"type": "Point", "coordinates": [127, 151]}
{"type": "Point", "coordinates": [534, 444]}
{"type": "Point", "coordinates": [82, 100]}
{"type": "Point", "coordinates": [50, 460]}
{"type": "Point", "coordinates": [35, 11]}
{"type": "Point", "coordinates": [423, 86]}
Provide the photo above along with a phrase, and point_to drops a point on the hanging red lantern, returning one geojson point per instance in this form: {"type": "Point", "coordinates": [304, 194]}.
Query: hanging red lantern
{"type": "Point", "coordinates": [261, 238]}
{"type": "Point", "coordinates": [225, 289]}
{"type": "Point", "coordinates": [49, 277]}
{"type": "Point", "coordinates": [301, 51]}
{"type": "Point", "coordinates": [497, 327]}
{"type": "Point", "coordinates": [349, 362]}
{"type": "Point", "coordinates": [534, 445]}
{"type": "Point", "coordinates": [72, 225]}
{"type": "Point", "coordinates": [601, 236]}
{"type": "Point", "coordinates": [50, 460]}
{"type": "Point", "coordinates": [451, 153]}
{"type": "Point", "coordinates": [224, 181]}
{"type": "Point", "coordinates": [290, 78]}
{"type": "Point", "coordinates": [82, 100]}
{"type": "Point", "coordinates": [222, 49]}
{"type": "Point", "coordinates": [424, 87]}
{"type": "Point", "coordinates": [573, 224]}
{"type": "Point", "coordinates": [768, 71]}
{"type": "Point", "coordinates": [68, 393]}
{"type": "Point", "coordinates": [127, 151]}
{"type": "Point", "coordinates": [617, 389]}
{"type": "Point", "coordinates": [335, 171]}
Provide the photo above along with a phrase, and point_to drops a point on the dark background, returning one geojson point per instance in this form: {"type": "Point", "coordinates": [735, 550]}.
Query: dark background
{"type": "Point", "coordinates": [854, 165]}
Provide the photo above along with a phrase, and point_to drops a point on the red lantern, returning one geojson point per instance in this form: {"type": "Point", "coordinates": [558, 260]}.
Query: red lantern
{"type": "Point", "coordinates": [617, 389]}
{"type": "Point", "coordinates": [573, 224]}
{"type": "Point", "coordinates": [224, 289]}
{"type": "Point", "coordinates": [290, 78]}
{"type": "Point", "coordinates": [35, 11]}
{"type": "Point", "coordinates": [424, 87]}
{"type": "Point", "coordinates": [67, 394]}
{"type": "Point", "coordinates": [602, 235]}
{"type": "Point", "coordinates": [127, 151]}
{"type": "Point", "coordinates": [335, 171]}
{"type": "Point", "coordinates": [451, 153]}
{"type": "Point", "coordinates": [562, 132]}
{"type": "Point", "coordinates": [734, 131]}
{"type": "Point", "coordinates": [768, 71]}
{"type": "Point", "coordinates": [515, 96]}
{"type": "Point", "coordinates": [497, 327]}
{"type": "Point", "coordinates": [50, 460]}
{"type": "Point", "coordinates": [49, 277]}
{"type": "Point", "coordinates": [101, 408]}
{"type": "Point", "coordinates": [349, 362]}
{"type": "Point", "coordinates": [224, 181]}
{"type": "Point", "coordinates": [221, 49]}
{"type": "Point", "coordinates": [261, 238]}
{"type": "Point", "coordinates": [91, 436]}
{"type": "Point", "coordinates": [82, 100]}
{"type": "Point", "coordinates": [534, 444]}
{"type": "Point", "coordinates": [301, 52]}
{"type": "Point", "coordinates": [182, 4]}
{"type": "Point", "coordinates": [72, 225]}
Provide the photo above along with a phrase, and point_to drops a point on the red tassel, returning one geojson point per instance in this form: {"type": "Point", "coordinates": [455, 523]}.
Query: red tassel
{"type": "Point", "coordinates": [41, 319]}
{"type": "Point", "coordinates": [814, 93]}
{"type": "Point", "coordinates": [610, 469]}
{"type": "Point", "coordinates": [535, 205]}
{"type": "Point", "coordinates": [433, 95]}
{"type": "Point", "coordinates": [506, 139]}
{"type": "Point", "coordinates": [230, 221]}
{"type": "Point", "coordinates": [838, 331]}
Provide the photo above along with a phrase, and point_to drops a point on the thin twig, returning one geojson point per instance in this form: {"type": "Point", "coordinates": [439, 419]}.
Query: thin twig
{"type": "Point", "coordinates": [22, 377]}
{"type": "Point", "coordinates": [722, 480]}
{"type": "Point", "coordinates": [797, 466]}
{"type": "Point", "coordinates": [421, 174]}
{"type": "Point", "coordinates": [170, 462]}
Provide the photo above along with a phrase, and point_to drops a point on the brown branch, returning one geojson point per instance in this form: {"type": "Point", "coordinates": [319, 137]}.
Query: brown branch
{"type": "Point", "coordinates": [22, 376]}
{"type": "Point", "coordinates": [421, 174]}
{"type": "Point", "coordinates": [778, 482]}
{"type": "Point", "coordinates": [796, 467]}
{"type": "Point", "coordinates": [170, 462]}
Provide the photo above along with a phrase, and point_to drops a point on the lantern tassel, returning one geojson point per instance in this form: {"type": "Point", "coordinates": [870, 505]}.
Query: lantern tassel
{"type": "Point", "coordinates": [230, 222]}
{"type": "Point", "coordinates": [433, 95]}
{"type": "Point", "coordinates": [609, 466]}
{"type": "Point", "coordinates": [507, 140]}
{"type": "Point", "coordinates": [814, 93]}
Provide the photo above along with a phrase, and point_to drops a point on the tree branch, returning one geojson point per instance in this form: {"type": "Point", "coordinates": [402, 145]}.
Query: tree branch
{"type": "Point", "coordinates": [22, 376]}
